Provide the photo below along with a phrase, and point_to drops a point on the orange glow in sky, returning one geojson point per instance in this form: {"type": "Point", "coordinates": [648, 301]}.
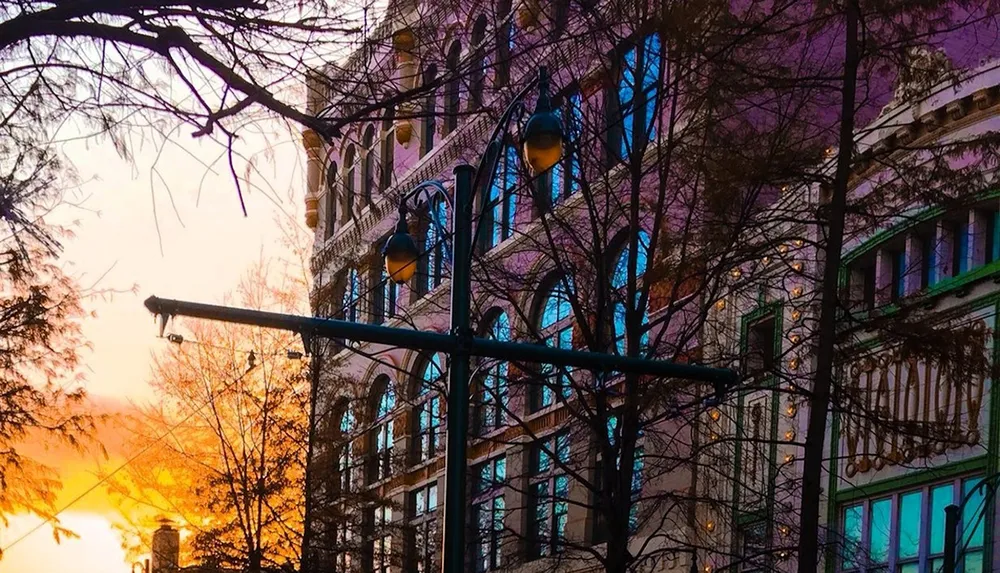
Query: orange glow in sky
{"type": "Point", "coordinates": [206, 245]}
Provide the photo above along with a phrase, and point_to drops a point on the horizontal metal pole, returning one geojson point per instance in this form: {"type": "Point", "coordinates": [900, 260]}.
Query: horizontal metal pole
{"type": "Point", "coordinates": [436, 342]}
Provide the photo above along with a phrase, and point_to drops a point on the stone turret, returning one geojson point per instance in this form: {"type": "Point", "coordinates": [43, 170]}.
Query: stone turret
{"type": "Point", "coordinates": [166, 549]}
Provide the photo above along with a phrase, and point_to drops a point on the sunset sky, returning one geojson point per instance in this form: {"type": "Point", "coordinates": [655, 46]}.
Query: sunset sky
{"type": "Point", "coordinates": [198, 254]}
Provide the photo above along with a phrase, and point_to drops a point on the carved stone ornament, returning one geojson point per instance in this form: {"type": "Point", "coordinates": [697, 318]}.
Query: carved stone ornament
{"type": "Point", "coordinates": [529, 15]}
{"type": "Point", "coordinates": [312, 212]}
{"type": "Point", "coordinates": [311, 141]}
{"type": "Point", "coordinates": [923, 68]}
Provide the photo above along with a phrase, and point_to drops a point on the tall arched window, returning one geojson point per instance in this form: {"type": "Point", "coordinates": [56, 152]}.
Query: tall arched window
{"type": "Point", "coordinates": [493, 390]}
{"type": "Point", "coordinates": [388, 153]}
{"type": "Point", "coordinates": [383, 403]}
{"type": "Point", "coordinates": [352, 292]}
{"type": "Point", "coordinates": [477, 69]}
{"type": "Point", "coordinates": [330, 225]}
{"type": "Point", "coordinates": [504, 42]}
{"type": "Point", "coordinates": [452, 92]}
{"type": "Point", "coordinates": [555, 324]}
{"type": "Point", "coordinates": [502, 200]}
{"type": "Point", "coordinates": [637, 94]}
{"type": "Point", "coordinates": [368, 165]}
{"type": "Point", "coordinates": [345, 453]}
{"type": "Point", "coordinates": [564, 177]}
{"type": "Point", "coordinates": [428, 408]}
{"type": "Point", "coordinates": [619, 282]}
{"type": "Point", "coordinates": [350, 175]}
{"type": "Point", "coordinates": [384, 292]}
{"type": "Point", "coordinates": [429, 112]}
{"type": "Point", "coordinates": [430, 267]}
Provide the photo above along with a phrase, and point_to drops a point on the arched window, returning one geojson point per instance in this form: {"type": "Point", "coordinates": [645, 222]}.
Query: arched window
{"type": "Point", "coordinates": [368, 165]}
{"type": "Point", "coordinates": [345, 452]}
{"type": "Point", "coordinates": [383, 403]}
{"type": "Point", "coordinates": [502, 200]}
{"type": "Point", "coordinates": [331, 200]}
{"type": "Point", "coordinates": [637, 94]}
{"type": "Point", "coordinates": [428, 123]}
{"type": "Point", "coordinates": [619, 282]}
{"type": "Point", "coordinates": [505, 34]}
{"type": "Point", "coordinates": [477, 70]}
{"type": "Point", "coordinates": [493, 387]}
{"type": "Point", "coordinates": [555, 324]}
{"type": "Point", "coordinates": [384, 292]}
{"type": "Point", "coordinates": [352, 292]}
{"type": "Point", "coordinates": [387, 159]}
{"type": "Point", "coordinates": [564, 178]}
{"type": "Point", "coordinates": [350, 175]}
{"type": "Point", "coordinates": [452, 93]}
{"type": "Point", "coordinates": [430, 267]}
{"type": "Point", "coordinates": [427, 412]}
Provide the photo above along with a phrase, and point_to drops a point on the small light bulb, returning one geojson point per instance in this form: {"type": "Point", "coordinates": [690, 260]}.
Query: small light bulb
{"type": "Point", "coordinates": [795, 338]}
{"type": "Point", "coordinates": [791, 409]}
{"type": "Point", "coordinates": [715, 414]}
{"type": "Point", "coordinates": [710, 526]}
{"type": "Point", "coordinates": [793, 364]}
{"type": "Point", "coordinates": [720, 304]}
{"type": "Point", "coordinates": [175, 338]}
{"type": "Point", "coordinates": [789, 458]}
{"type": "Point", "coordinates": [782, 249]}
{"type": "Point", "coordinates": [796, 315]}
{"type": "Point", "coordinates": [789, 435]}
{"type": "Point", "coordinates": [736, 273]}
{"type": "Point", "coordinates": [797, 292]}
{"type": "Point", "coordinates": [799, 242]}
{"type": "Point", "coordinates": [713, 437]}
{"type": "Point", "coordinates": [797, 267]}
{"type": "Point", "coordinates": [784, 529]}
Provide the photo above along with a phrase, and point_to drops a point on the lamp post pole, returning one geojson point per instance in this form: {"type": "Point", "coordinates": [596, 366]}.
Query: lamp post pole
{"type": "Point", "coordinates": [458, 374]}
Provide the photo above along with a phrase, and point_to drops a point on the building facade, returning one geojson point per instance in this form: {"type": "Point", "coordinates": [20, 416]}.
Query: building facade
{"type": "Point", "coordinates": [567, 464]}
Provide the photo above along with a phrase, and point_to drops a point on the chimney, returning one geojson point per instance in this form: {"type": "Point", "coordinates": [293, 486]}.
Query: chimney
{"type": "Point", "coordinates": [166, 549]}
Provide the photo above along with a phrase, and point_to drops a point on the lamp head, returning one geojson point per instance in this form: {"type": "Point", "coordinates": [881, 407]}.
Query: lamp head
{"type": "Point", "coordinates": [542, 139]}
{"type": "Point", "coordinates": [400, 252]}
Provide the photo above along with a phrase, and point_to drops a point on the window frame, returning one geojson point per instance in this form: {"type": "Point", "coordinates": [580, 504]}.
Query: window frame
{"type": "Point", "coordinates": [428, 406]}
{"type": "Point", "coordinates": [619, 285]}
{"type": "Point", "coordinates": [494, 397]}
{"type": "Point", "coordinates": [368, 165]}
{"type": "Point", "coordinates": [488, 499]}
{"type": "Point", "coordinates": [382, 433]}
{"type": "Point", "coordinates": [330, 208]}
{"type": "Point", "coordinates": [925, 558]}
{"type": "Point", "coordinates": [628, 112]}
{"type": "Point", "coordinates": [557, 332]}
{"type": "Point", "coordinates": [423, 504]}
{"type": "Point", "coordinates": [548, 495]}
{"type": "Point", "coordinates": [428, 123]}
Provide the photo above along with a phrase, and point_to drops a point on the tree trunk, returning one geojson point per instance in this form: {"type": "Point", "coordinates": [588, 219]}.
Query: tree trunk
{"type": "Point", "coordinates": [812, 465]}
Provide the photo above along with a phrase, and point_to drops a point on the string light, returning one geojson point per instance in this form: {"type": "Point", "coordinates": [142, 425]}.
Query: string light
{"type": "Point", "coordinates": [796, 315]}
{"type": "Point", "coordinates": [789, 435]}
{"type": "Point", "coordinates": [715, 414]}
{"type": "Point", "coordinates": [720, 304]}
{"type": "Point", "coordinates": [710, 526]}
{"type": "Point", "coordinates": [791, 409]}
{"type": "Point", "coordinates": [175, 338]}
{"type": "Point", "coordinates": [797, 292]}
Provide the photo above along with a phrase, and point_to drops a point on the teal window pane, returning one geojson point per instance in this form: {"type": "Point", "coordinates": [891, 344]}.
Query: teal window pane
{"type": "Point", "coordinates": [853, 517]}
{"type": "Point", "coordinates": [973, 562]}
{"type": "Point", "coordinates": [941, 497]}
{"type": "Point", "coordinates": [973, 513]}
{"type": "Point", "coordinates": [878, 532]}
{"type": "Point", "coordinates": [909, 524]}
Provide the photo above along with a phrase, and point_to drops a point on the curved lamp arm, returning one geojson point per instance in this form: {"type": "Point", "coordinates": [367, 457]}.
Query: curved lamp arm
{"type": "Point", "coordinates": [440, 190]}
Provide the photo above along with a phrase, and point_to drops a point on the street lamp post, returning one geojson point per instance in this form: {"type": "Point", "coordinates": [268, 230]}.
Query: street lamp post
{"type": "Point", "coordinates": [952, 516]}
{"type": "Point", "coordinates": [541, 148]}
